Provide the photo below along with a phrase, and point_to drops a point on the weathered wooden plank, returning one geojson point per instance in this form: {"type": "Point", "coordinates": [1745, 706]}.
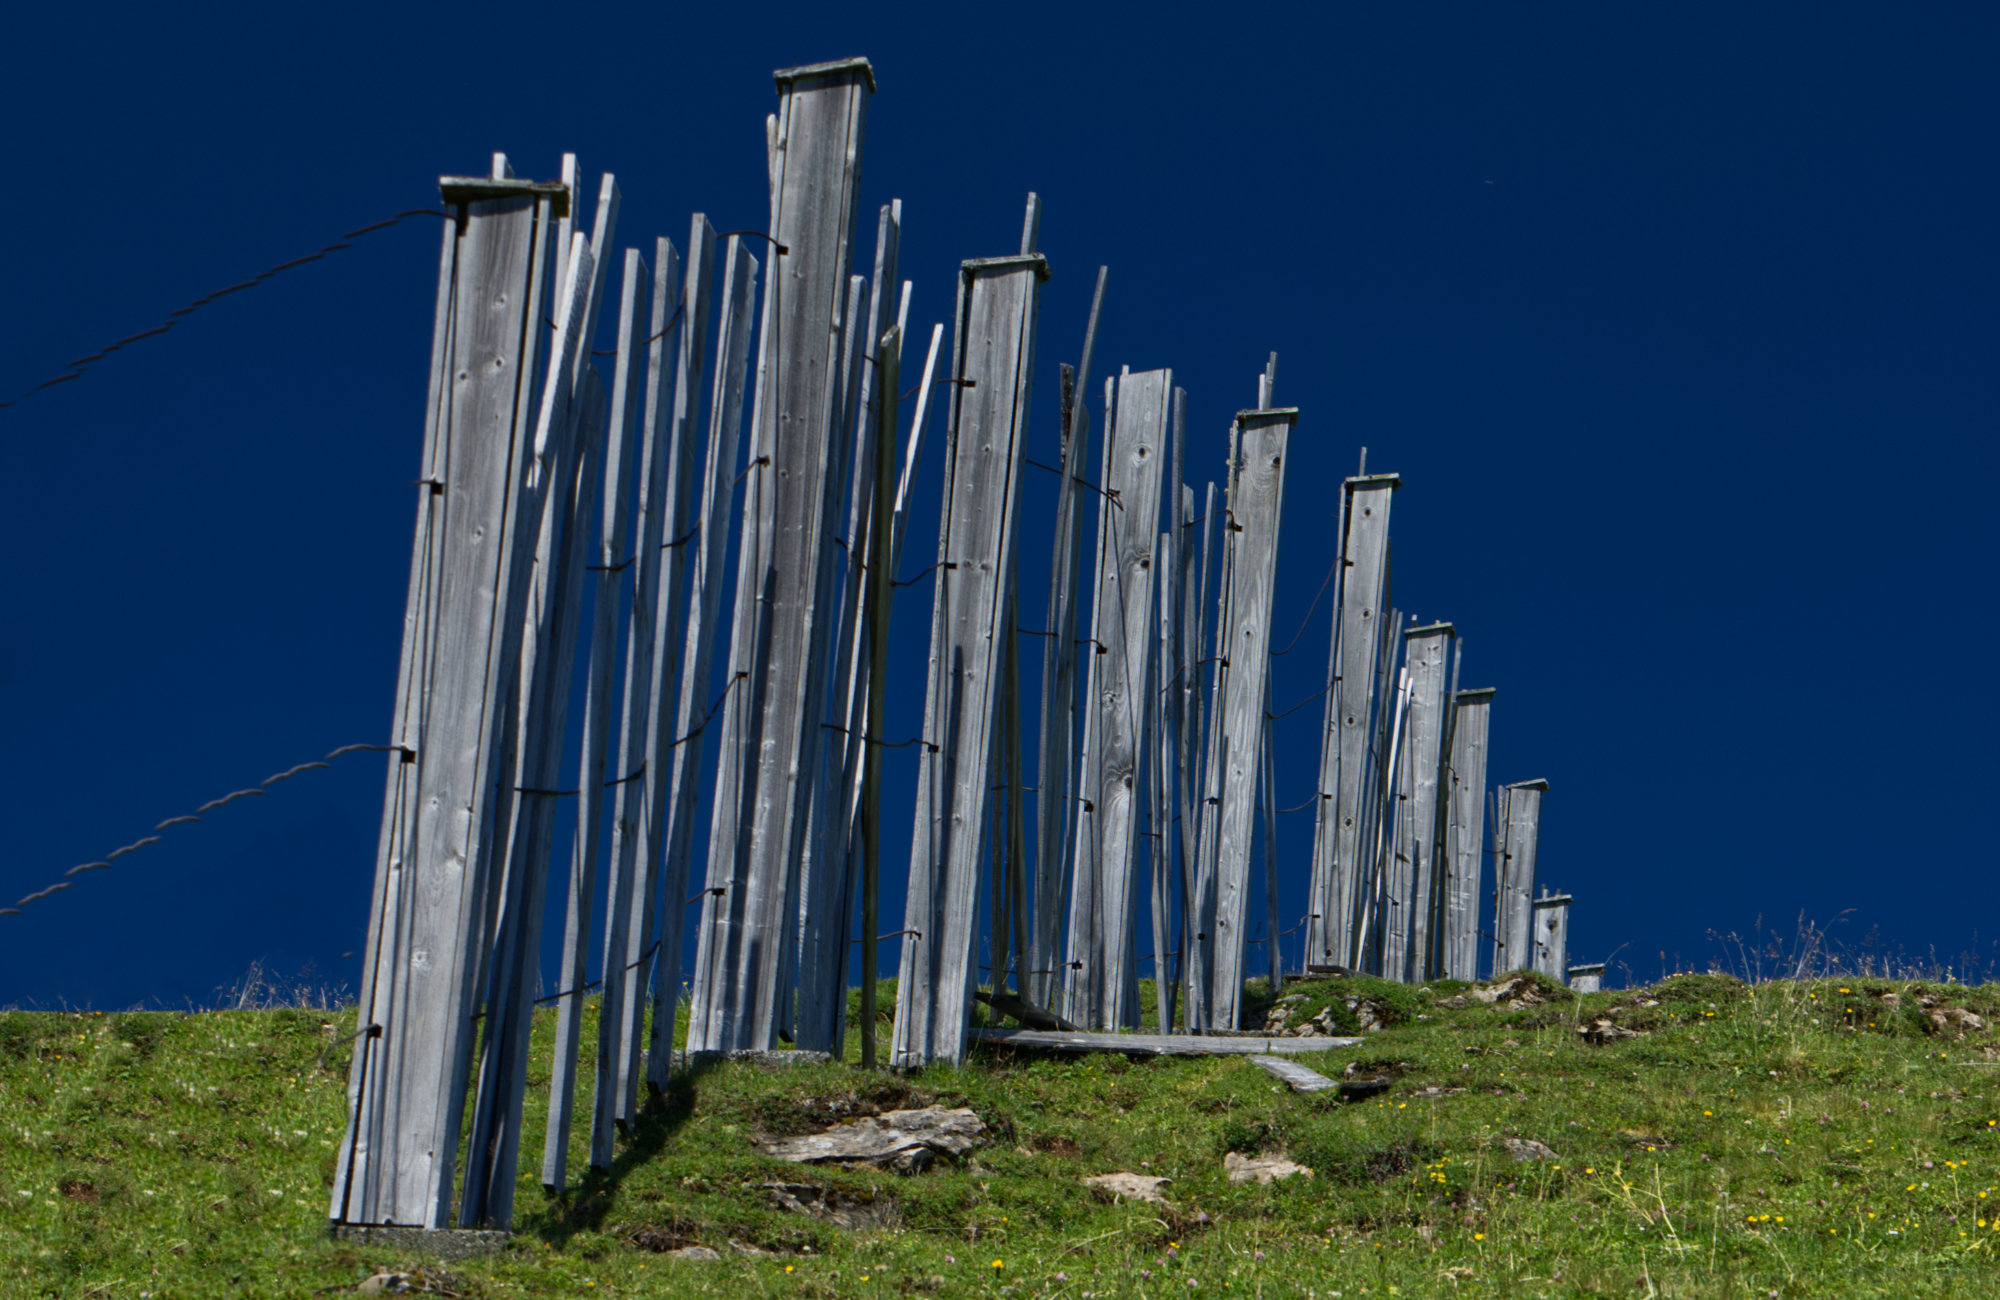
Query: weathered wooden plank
{"type": "Point", "coordinates": [693, 718]}
{"type": "Point", "coordinates": [649, 689]}
{"type": "Point", "coordinates": [1101, 980]}
{"type": "Point", "coordinates": [827, 921]}
{"type": "Point", "coordinates": [1164, 701]}
{"type": "Point", "coordinates": [1374, 926]}
{"type": "Point", "coordinates": [1346, 787]}
{"type": "Point", "coordinates": [1055, 759]}
{"type": "Point", "coordinates": [1465, 852]}
{"type": "Point", "coordinates": [1053, 1040]}
{"type": "Point", "coordinates": [412, 1074]}
{"type": "Point", "coordinates": [612, 555]}
{"type": "Point", "coordinates": [1256, 503]}
{"type": "Point", "coordinates": [1521, 821]}
{"type": "Point", "coordinates": [1299, 1078]}
{"type": "Point", "coordinates": [1268, 801]}
{"type": "Point", "coordinates": [1419, 827]}
{"type": "Point", "coordinates": [986, 436]}
{"type": "Point", "coordinates": [388, 897]}
{"type": "Point", "coordinates": [876, 610]}
{"type": "Point", "coordinates": [817, 939]}
{"type": "Point", "coordinates": [772, 725]}
{"type": "Point", "coordinates": [1197, 881]}
{"type": "Point", "coordinates": [1551, 930]}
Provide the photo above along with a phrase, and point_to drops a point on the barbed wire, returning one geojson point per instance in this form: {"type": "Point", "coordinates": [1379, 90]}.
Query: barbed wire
{"type": "Point", "coordinates": [104, 863]}
{"type": "Point", "coordinates": [75, 369]}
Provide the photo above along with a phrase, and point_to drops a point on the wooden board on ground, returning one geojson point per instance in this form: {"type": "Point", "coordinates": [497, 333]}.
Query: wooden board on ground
{"type": "Point", "coordinates": [1158, 1044]}
{"type": "Point", "coordinates": [1301, 1078]}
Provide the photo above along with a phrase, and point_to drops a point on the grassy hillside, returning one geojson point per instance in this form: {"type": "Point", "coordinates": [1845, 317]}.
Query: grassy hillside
{"type": "Point", "coordinates": [1786, 1139]}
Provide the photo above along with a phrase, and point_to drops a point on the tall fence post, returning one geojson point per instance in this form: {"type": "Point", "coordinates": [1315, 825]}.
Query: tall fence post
{"type": "Point", "coordinates": [1513, 928]}
{"type": "Point", "coordinates": [1346, 751]}
{"type": "Point", "coordinates": [1256, 501]}
{"type": "Point", "coordinates": [1465, 854]}
{"type": "Point", "coordinates": [771, 742]}
{"type": "Point", "coordinates": [985, 446]}
{"type": "Point", "coordinates": [1551, 929]}
{"type": "Point", "coordinates": [1414, 888]}
{"type": "Point", "coordinates": [1101, 984]}
{"type": "Point", "coordinates": [398, 1160]}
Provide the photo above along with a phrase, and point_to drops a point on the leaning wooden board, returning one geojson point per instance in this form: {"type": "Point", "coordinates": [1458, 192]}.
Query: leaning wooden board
{"type": "Point", "coordinates": [1159, 1044]}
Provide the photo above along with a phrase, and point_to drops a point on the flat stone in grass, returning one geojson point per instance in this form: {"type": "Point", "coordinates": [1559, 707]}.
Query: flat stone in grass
{"type": "Point", "coordinates": [907, 1141]}
{"type": "Point", "coordinates": [1261, 1169]}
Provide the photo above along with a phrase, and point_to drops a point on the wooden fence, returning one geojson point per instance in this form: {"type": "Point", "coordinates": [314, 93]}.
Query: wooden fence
{"type": "Point", "coordinates": [574, 523]}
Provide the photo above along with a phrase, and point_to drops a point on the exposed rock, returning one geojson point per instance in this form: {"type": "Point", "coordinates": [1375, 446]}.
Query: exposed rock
{"type": "Point", "coordinates": [1525, 1149]}
{"type": "Point", "coordinates": [384, 1284]}
{"type": "Point", "coordinates": [1510, 995]}
{"type": "Point", "coordinates": [737, 1247]}
{"type": "Point", "coordinates": [1131, 1187]}
{"type": "Point", "coordinates": [1646, 1141]}
{"type": "Point", "coordinates": [1263, 1169]}
{"type": "Point", "coordinates": [1956, 1021]}
{"type": "Point", "coordinates": [908, 1141]}
{"type": "Point", "coordinates": [841, 1210]}
{"type": "Point", "coordinates": [693, 1252]}
{"type": "Point", "coordinates": [1604, 1030]}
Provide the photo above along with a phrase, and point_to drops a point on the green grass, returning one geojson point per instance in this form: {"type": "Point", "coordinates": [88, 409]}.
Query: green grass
{"type": "Point", "coordinates": [1802, 1139]}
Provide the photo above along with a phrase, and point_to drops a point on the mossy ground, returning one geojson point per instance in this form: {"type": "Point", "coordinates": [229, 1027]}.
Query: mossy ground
{"type": "Point", "coordinates": [1789, 1139]}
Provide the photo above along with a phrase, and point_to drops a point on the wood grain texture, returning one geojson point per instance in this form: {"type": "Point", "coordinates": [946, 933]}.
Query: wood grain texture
{"type": "Point", "coordinates": [826, 922]}
{"type": "Point", "coordinates": [1203, 668]}
{"type": "Point", "coordinates": [410, 1083]}
{"type": "Point", "coordinates": [1299, 1078]}
{"type": "Point", "coordinates": [1414, 884]}
{"type": "Point", "coordinates": [989, 401]}
{"type": "Point", "coordinates": [783, 638]}
{"type": "Point", "coordinates": [610, 557]}
{"type": "Point", "coordinates": [694, 719]}
{"type": "Point", "coordinates": [1256, 504]}
{"type": "Point", "coordinates": [1521, 822]}
{"type": "Point", "coordinates": [389, 896]}
{"type": "Point", "coordinates": [1055, 759]}
{"type": "Point", "coordinates": [1551, 929]}
{"type": "Point", "coordinates": [1465, 831]}
{"type": "Point", "coordinates": [626, 909]}
{"type": "Point", "coordinates": [1101, 979]}
{"type": "Point", "coordinates": [1346, 787]}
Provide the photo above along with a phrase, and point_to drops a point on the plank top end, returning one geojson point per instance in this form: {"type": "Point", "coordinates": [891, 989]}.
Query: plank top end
{"type": "Point", "coordinates": [786, 76]}
{"type": "Point", "coordinates": [483, 189]}
{"type": "Point", "coordinates": [1374, 481]}
{"type": "Point", "coordinates": [1431, 629]}
{"type": "Point", "coordinates": [1538, 783]}
{"type": "Point", "coordinates": [1550, 900]}
{"type": "Point", "coordinates": [1269, 415]}
{"type": "Point", "coordinates": [972, 266]}
{"type": "Point", "coordinates": [1477, 694]}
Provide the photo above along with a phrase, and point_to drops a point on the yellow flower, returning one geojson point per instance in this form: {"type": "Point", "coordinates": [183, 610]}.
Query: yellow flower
{"type": "Point", "coordinates": [1708, 1112]}
{"type": "Point", "coordinates": [998, 1264]}
{"type": "Point", "coordinates": [788, 1268]}
{"type": "Point", "coordinates": [1479, 1236]}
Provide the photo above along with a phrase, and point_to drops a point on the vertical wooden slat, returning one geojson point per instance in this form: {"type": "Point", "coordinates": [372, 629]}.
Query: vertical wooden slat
{"type": "Point", "coordinates": [1414, 891]}
{"type": "Point", "coordinates": [612, 556]}
{"type": "Point", "coordinates": [1256, 502]}
{"type": "Point", "coordinates": [1273, 917]}
{"type": "Point", "coordinates": [1351, 709]}
{"type": "Point", "coordinates": [1551, 931]}
{"type": "Point", "coordinates": [1055, 805]}
{"type": "Point", "coordinates": [877, 612]}
{"type": "Point", "coordinates": [1102, 980]}
{"type": "Point", "coordinates": [695, 715]}
{"type": "Point", "coordinates": [1465, 854]}
{"type": "Point", "coordinates": [773, 724]}
{"type": "Point", "coordinates": [823, 973]}
{"type": "Point", "coordinates": [1201, 665]}
{"type": "Point", "coordinates": [990, 395]}
{"type": "Point", "coordinates": [646, 690]}
{"type": "Point", "coordinates": [815, 995]}
{"type": "Point", "coordinates": [406, 737]}
{"type": "Point", "coordinates": [1374, 928]}
{"type": "Point", "coordinates": [1163, 701]}
{"type": "Point", "coordinates": [1513, 931]}
{"type": "Point", "coordinates": [411, 1072]}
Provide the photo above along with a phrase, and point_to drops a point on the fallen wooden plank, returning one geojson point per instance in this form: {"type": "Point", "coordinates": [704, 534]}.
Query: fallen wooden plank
{"type": "Point", "coordinates": [1301, 1078]}
{"type": "Point", "coordinates": [1158, 1044]}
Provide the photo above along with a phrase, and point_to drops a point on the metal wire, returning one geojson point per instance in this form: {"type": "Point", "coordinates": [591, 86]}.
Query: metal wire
{"type": "Point", "coordinates": [75, 369]}
{"type": "Point", "coordinates": [184, 819]}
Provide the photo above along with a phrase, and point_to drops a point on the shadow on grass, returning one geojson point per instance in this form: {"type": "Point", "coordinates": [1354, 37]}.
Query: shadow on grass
{"type": "Point", "coordinates": [583, 1207]}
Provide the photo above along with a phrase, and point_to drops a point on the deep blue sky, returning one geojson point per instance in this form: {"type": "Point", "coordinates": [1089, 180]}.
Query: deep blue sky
{"type": "Point", "coordinates": [1679, 326]}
